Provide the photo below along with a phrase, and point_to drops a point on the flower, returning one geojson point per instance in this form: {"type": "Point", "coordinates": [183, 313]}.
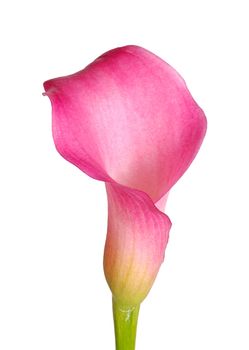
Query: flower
{"type": "Point", "coordinates": [128, 119]}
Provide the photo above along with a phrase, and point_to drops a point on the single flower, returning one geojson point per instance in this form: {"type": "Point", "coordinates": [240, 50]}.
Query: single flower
{"type": "Point", "coordinates": [129, 120]}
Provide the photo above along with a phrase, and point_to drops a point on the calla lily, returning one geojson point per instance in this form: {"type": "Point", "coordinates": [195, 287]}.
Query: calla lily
{"type": "Point", "coordinates": [129, 120]}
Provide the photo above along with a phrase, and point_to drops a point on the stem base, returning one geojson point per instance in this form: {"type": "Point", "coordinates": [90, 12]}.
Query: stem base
{"type": "Point", "coordinates": [125, 325]}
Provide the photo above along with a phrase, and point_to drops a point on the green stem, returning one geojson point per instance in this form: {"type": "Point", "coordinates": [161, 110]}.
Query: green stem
{"type": "Point", "coordinates": [125, 325]}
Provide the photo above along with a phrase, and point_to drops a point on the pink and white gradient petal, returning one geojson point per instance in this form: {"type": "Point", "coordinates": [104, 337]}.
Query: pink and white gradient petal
{"type": "Point", "coordinates": [128, 119]}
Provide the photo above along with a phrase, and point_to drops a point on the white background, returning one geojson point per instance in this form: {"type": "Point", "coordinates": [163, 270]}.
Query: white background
{"type": "Point", "coordinates": [53, 294]}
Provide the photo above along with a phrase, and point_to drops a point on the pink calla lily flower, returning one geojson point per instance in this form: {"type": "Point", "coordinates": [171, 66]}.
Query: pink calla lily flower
{"type": "Point", "coordinates": [128, 119]}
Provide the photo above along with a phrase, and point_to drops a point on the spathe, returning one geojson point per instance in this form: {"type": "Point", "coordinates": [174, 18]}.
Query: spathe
{"type": "Point", "coordinates": [128, 119]}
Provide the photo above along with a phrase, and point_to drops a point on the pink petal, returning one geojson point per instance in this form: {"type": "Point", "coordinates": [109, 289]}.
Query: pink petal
{"type": "Point", "coordinates": [136, 240]}
{"type": "Point", "coordinates": [129, 119]}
